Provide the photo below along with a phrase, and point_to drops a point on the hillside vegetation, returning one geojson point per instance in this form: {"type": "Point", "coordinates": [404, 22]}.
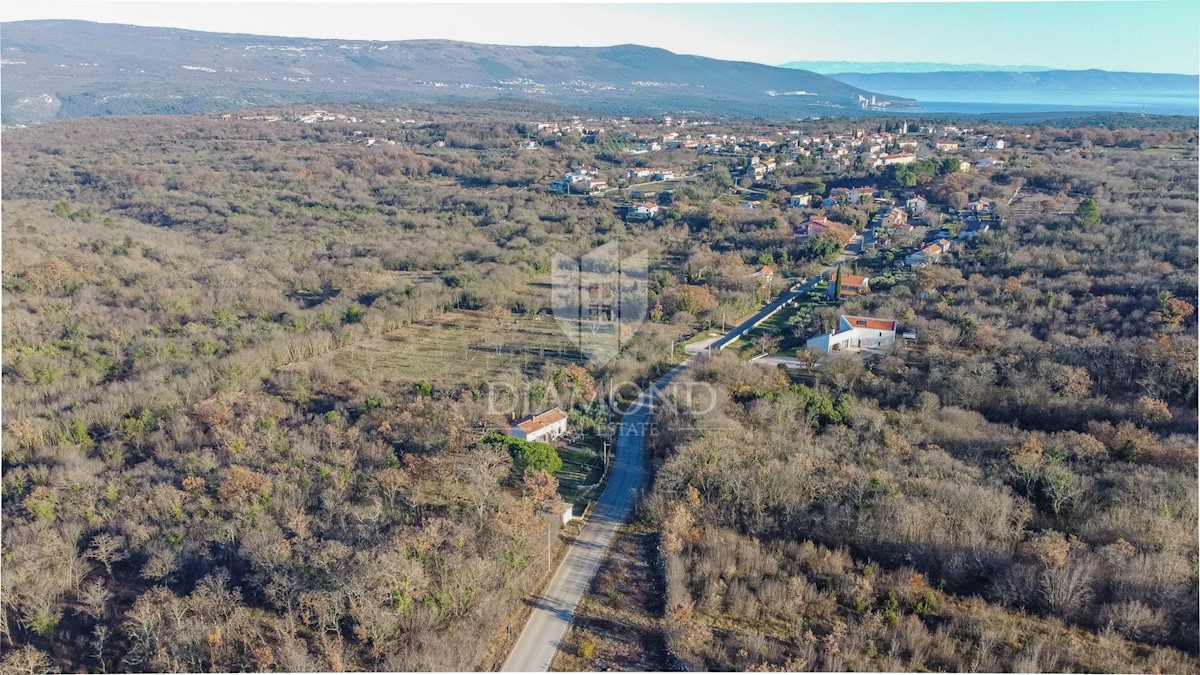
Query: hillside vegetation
{"type": "Point", "coordinates": [1017, 491]}
{"type": "Point", "coordinates": [76, 68]}
{"type": "Point", "coordinates": [246, 371]}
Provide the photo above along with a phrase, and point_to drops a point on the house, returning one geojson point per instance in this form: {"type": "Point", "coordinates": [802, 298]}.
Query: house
{"type": "Point", "coordinates": [893, 219]}
{"type": "Point", "coordinates": [813, 227]}
{"type": "Point", "coordinates": [858, 194]}
{"type": "Point", "coordinates": [916, 205]}
{"type": "Point", "coordinates": [981, 205]}
{"type": "Point", "coordinates": [665, 174]}
{"type": "Point", "coordinates": [946, 145]}
{"type": "Point", "coordinates": [987, 162]}
{"type": "Point", "coordinates": [906, 143]}
{"type": "Point", "coordinates": [852, 284]}
{"type": "Point", "coordinates": [973, 227]}
{"type": "Point", "coordinates": [928, 255]}
{"type": "Point", "coordinates": [996, 143]}
{"type": "Point", "coordinates": [898, 158]}
{"type": "Point", "coordinates": [639, 173]}
{"type": "Point", "coordinates": [765, 273]}
{"type": "Point", "coordinates": [799, 201]}
{"type": "Point", "coordinates": [964, 166]}
{"type": "Point", "coordinates": [544, 427]}
{"type": "Point", "coordinates": [644, 211]}
{"type": "Point", "coordinates": [596, 185]}
{"type": "Point", "coordinates": [854, 333]}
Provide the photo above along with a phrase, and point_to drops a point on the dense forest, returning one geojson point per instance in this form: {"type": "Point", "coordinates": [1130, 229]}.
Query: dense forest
{"type": "Point", "coordinates": [194, 476]}
{"type": "Point", "coordinates": [247, 421]}
{"type": "Point", "coordinates": [1016, 491]}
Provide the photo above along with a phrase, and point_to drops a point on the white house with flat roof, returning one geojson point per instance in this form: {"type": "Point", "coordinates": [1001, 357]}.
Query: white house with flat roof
{"type": "Point", "coordinates": [854, 333]}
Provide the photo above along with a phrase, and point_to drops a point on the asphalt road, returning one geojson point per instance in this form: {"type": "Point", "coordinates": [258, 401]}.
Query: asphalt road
{"type": "Point", "coordinates": [543, 632]}
{"type": "Point", "coordinates": [784, 298]}
{"type": "Point", "coordinates": [761, 315]}
{"type": "Point", "coordinates": [548, 622]}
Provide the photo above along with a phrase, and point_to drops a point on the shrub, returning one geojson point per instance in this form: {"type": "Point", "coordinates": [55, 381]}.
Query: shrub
{"type": "Point", "coordinates": [587, 648]}
{"type": "Point", "coordinates": [528, 455]}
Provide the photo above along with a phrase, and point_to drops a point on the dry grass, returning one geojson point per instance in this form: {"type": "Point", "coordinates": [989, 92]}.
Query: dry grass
{"type": "Point", "coordinates": [457, 347]}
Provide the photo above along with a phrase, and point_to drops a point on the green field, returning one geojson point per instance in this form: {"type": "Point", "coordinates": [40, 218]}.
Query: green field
{"type": "Point", "coordinates": [461, 346]}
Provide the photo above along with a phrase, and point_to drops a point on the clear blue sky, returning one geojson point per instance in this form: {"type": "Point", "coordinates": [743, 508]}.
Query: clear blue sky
{"type": "Point", "coordinates": [1149, 35]}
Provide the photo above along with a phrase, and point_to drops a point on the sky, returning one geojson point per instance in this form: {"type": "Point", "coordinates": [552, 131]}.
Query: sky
{"type": "Point", "coordinates": [1140, 36]}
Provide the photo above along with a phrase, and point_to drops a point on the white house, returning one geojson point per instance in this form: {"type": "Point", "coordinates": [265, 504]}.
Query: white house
{"type": "Point", "coordinates": [596, 185]}
{"type": "Point", "coordinates": [928, 255]}
{"type": "Point", "coordinates": [854, 333]}
{"type": "Point", "coordinates": [644, 211]}
{"type": "Point", "coordinates": [799, 201]}
{"type": "Point", "coordinates": [916, 205]}
{"type": "Point", "coordinates": [898, 158]}
{"type": "Point", "coordinates": [544, 427]}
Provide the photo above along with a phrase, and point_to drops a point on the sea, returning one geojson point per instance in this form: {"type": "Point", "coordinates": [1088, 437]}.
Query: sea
{"type": "Point", "coordinates": [982, 101]}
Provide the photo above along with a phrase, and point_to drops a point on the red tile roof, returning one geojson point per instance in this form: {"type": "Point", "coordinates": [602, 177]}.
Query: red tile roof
{"type": "Point", "coordinates": [535, 423]}
{"type": "Point", "coordinates": [870, 323]}
{"type": "Point", "coordinates": [853, 280]}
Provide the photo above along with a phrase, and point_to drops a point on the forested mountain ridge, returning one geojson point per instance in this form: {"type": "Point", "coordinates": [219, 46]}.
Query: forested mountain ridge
{"type": "Point", "coordinates": [74, 68]}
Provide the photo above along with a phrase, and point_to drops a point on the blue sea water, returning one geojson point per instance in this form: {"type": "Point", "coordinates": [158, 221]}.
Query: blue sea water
{"type": "Point", "coordinates": [976, 101]}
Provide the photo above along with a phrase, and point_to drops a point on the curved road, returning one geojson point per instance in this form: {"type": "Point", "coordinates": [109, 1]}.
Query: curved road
{"type": "Point", "coordinates": [543, 632]}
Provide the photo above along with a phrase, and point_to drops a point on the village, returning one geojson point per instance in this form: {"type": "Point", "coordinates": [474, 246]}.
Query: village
{"type": "Point", "coordinates": [904, 232]}
{"type": "Point", "coordinates": [854, 199]}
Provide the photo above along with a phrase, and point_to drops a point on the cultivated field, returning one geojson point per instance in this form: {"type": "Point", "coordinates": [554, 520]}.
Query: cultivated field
{"type": "Point", "coordinates": [459, 347]}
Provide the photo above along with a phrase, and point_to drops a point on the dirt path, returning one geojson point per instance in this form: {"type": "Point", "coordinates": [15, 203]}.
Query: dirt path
{"type": "Point", "coordinates": [618, 624]}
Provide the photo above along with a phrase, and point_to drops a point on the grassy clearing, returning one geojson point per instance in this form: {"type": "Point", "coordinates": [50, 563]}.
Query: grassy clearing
{"type": "Point", "coordinates": [460, 346]}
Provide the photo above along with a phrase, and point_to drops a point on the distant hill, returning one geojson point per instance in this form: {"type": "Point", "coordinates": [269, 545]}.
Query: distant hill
{"type": "Point", "coordinates": [75, 68]}
{"type": "Point", "coordinates": [831, 67]}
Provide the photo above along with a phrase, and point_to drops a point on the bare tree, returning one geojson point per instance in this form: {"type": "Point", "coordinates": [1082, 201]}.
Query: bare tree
{"type": "Point", "coordinates": [107, 549]}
